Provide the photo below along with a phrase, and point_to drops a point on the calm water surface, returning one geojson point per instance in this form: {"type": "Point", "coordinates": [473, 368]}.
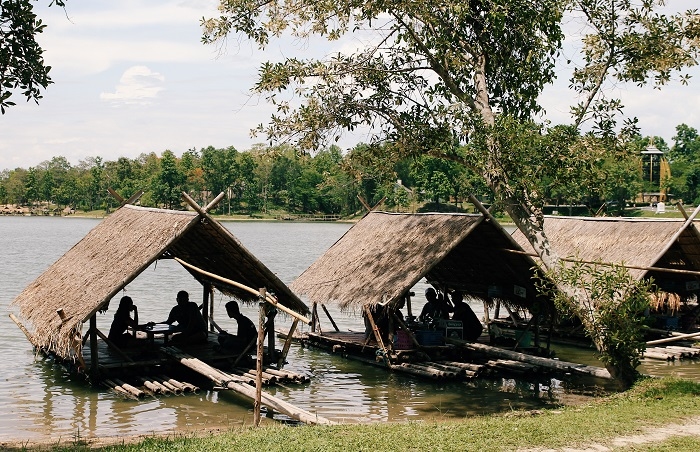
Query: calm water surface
{"type": "Point", "coordinates": [38, 401]}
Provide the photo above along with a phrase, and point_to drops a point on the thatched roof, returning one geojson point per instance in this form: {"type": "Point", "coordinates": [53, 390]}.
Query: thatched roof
{"type": "Point", "coordinates": [635, 242]}
{"type": "Point", "coordinates": [385, 254]}
{"type": "Point", "coordinates": [117, 250]}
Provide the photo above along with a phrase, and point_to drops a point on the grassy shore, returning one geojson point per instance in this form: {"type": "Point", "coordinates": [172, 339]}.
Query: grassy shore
{"type": "Point", "coordinates": [646, 408]}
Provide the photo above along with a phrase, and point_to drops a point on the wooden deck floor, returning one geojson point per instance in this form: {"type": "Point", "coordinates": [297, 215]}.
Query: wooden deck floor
{"type": "Point", "coordinates": [149, 359]}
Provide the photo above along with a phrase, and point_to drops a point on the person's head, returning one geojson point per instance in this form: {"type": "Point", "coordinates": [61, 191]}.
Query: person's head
{"type": "Point", "coordinates": [232, 309]}
{"type": "Point", "coordinates": [430, 294]}
{"type": "Point", "coordinates": [126, 303]}
{"type": "Point", "coordinates": [182, 297]}
{"type": "Point", "coordinates": [457, 296]}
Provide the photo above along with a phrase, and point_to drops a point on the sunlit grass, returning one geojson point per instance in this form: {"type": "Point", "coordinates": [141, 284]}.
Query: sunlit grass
{"type": "Point", "coordinates": [653, 402]}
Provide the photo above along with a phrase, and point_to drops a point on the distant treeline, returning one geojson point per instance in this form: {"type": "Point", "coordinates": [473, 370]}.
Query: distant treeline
{"type": "Point", "coordinates": [281, 179]}
{"type": "Point", "coordinates": [261, 180]}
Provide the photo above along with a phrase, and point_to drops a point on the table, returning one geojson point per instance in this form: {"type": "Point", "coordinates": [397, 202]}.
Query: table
{"type": "Point", "coordinates": [160, 329]}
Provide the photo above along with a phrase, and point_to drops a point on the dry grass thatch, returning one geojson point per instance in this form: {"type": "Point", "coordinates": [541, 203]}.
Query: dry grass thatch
{"type": "Point", "coordinates": [630, 241]}
{"type": "Point", "coordinates": [117, 250]}
{"type": "Point", "coordinates": [385, 254]}
{"type": "Point", "coordinates": [645, 243]}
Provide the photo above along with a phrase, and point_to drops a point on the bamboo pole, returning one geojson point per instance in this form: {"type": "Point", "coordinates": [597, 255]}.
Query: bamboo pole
{"type": "Point", "coordinates": [171, 381]}
{"type": "Point", "coordinates": [674, 338]}
{"type": "Point", "coordinates": [476, 368]}
{"type": "Point", "coordinates": [26, 332]}
{"type": "Point", "coordinates": [268, 298]}
{"type": "Point", "coordinates": [328, 314]}
{"type": "Point", "coordinates": [267, 378]}
{"type": "Point", "coordinates": [613, 264]}
{"type": "Point", "coordinates": [553, 364]}
{"type": "Point", "coordinates": [377, 334]}
{"type": "Point", "coordinates": [651, 354]}
{"type": "Point", "coordinates": [315, 321]}
{"type": "Point", "coordinates": [691, 351]}
{"type": "Point", "coordinates": [94, 354]}
{"type": "Point", "coordinates": [153, 386]}
{"type": "Point", "coordinates": [416, 370]}
{"type": "Point", "coordinates": [230, 382]}
{"type": "Point", "coordinates": [118, 389]}
{"type": "Point", "coordinates": [136, 392]}
{"type": "Point", "coordinates": [259, 359]}
{"type": "Point", "coordinates": [172, 388]}
{"type": "Point", "coordinates": [287, 344]}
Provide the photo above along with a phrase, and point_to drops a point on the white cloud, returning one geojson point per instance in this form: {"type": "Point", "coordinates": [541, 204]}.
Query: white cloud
{"type": "Point", "coordinates": [137, 85]}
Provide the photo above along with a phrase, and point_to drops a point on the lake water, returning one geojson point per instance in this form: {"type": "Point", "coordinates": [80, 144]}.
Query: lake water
{"type": "Point", "coordinates": [40, 402]}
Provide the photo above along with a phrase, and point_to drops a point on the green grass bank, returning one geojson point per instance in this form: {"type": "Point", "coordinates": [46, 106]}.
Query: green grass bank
{"type": "Point", "coordinates": [649, 405]}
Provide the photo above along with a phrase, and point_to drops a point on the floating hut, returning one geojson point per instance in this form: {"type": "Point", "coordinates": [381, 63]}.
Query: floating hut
{"type": "Point", "coordinates": [55, 309]}
{"type": "Point", "coordinates": [665, 249]}
{"type": "Point", "coordinates": [377, 262]}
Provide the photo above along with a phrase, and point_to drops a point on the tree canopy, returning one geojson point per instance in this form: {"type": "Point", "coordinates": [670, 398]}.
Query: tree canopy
{"type": "Point", "coordinates": [461, 80]}
{"type": "Point", "coordinates": [22, 64]}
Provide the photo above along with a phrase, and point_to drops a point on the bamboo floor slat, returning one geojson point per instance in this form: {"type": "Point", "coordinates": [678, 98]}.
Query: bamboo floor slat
{"type": "Point", "coordinates": [148, 367]}
{"type": "Point", "coordinates": [434, 362]}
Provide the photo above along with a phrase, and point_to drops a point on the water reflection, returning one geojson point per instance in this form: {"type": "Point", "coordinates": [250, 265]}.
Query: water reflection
{"type": "Point", "coordinates": [40, 401]}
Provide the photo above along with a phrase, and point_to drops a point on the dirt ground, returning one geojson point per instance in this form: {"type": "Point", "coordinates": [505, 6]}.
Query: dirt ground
{"type": "Point", "coordinates": [648, 435]}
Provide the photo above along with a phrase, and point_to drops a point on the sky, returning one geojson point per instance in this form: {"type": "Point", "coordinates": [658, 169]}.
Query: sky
{"type": "Point", "coordinates": [132, 77]}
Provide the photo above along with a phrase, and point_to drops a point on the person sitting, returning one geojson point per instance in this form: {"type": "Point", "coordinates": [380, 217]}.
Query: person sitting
{"type": "Point", "coordinates": [434, 309]}
{"type": "Point", "coordinates": [471, 326]}
{"type": "Point", "coordinates": [191, 327]}
{"type": "Point", "coordinates": [118, 331]}
{"type": "Point", "coordinates": [245, 333]}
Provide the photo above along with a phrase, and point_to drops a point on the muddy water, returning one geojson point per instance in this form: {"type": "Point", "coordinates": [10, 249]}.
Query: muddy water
{"type": "Point", "coordinates": [39, 401]}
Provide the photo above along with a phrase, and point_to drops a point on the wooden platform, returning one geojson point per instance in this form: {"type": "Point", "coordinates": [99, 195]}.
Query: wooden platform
{"type": "Point", "coordinates": [455, 360]}
{"type": "Point", "coordinates": [151, 362]}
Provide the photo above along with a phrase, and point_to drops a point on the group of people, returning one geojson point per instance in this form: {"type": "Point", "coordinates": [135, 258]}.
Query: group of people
{"type": "Point", "coordinates": [438, 307]}
{"type": "Point", "coordinates": [190, 326]}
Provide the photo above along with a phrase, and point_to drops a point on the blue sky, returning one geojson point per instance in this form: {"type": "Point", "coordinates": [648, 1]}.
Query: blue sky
{"type": "Point", "coordinates": [132, 77]}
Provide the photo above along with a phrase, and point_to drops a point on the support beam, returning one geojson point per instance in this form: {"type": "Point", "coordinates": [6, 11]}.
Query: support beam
{"type": "Point", "coordinates": [259, 359]}
{"type": "Point", "coordinates": [268, 298]}
{"type": "Point", "coordinates": [287, 344]}
{"type": "Point", "coordinates": [94, 360]}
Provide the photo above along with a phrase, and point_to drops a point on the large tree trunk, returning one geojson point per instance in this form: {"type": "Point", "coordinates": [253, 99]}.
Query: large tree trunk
{"type": "Point", "coordinates": [528, 218]}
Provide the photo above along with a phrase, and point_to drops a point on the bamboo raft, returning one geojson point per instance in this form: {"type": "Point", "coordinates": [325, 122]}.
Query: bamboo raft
{"type": "Point", "coordinates": [672, 353]}
{"type": "Point", "coordinates": [456, 360]}
{"type": "Point", "coordinates": [241, 385]}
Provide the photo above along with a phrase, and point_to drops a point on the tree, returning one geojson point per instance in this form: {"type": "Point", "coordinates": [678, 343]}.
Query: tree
{"type": "Point", "coordinates": [21, 57]}
{"type": "Point", "coordinates": [459, 79]}
{"type": "Point", "coordinates": [169, 182]}
{"type": "Point", "coordinates": [684, 157]}
{"type": "Point", "coordinates": [219, 167]}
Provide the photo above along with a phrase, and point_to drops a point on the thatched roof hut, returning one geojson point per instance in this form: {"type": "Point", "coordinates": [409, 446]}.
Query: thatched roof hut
{"type": "Point", "coordinates": [117, 250]}
{"type": "Point", "coordinates": [667, 249]}
{"type": "Point", "coordinates": [385, 254]}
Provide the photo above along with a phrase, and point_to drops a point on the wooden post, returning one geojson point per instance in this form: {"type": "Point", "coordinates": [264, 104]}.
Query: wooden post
{"type": "Point", "coordinates": [328, 314]}
{"type": "Point", "coordinates": [212, 327]}
{"type": "Point", "coordinates": [271, 334]}
{"type": "Point", "coordinates": [287, 344]}
{"type": "Point", "coordinates": [206, 290]}
{"type": "Point", "coordinates": [259, 359]}
{"type": "Point", "coordinates": [94, 372]}
{"type": "Point", "coordinates": [315, 322]}
{"type": "Point", "coordinates": [377, 334]}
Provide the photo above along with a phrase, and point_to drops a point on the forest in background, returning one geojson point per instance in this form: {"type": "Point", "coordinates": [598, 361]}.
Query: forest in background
{"type": "Point", "coordinates": [268, 180]}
